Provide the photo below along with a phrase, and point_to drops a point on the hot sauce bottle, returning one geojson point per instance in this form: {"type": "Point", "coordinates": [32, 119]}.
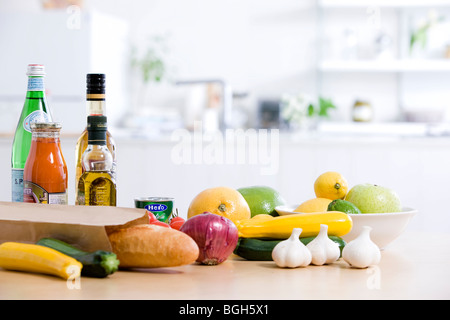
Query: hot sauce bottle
{"type": "Point", "coordinates": [45, 173]}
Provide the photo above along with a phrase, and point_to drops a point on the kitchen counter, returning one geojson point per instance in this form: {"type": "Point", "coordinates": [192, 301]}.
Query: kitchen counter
{"type": "Point", "coordinates": [415, 266]}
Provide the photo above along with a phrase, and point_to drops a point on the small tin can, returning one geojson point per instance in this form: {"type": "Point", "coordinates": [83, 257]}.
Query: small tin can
{"type": "Point", "coordinates": [161, 207]}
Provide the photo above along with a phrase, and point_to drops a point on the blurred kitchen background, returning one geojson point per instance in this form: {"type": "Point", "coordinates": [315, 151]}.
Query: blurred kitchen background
{"type": "Point", "coordinates": [360, 87]}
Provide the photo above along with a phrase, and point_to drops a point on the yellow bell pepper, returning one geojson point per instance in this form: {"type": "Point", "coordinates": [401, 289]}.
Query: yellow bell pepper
{"type": "Point", "coordinates": [281, 227]}
{"type": "Point", "coordinates": [39, 259]}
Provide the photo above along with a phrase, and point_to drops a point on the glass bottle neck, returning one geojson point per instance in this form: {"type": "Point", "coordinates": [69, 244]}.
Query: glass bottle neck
{"type": "Point", "coordinates": [46, 136]}
{"type": "Point", "coordinates": [36, 87]}
{"type": "Point", "coordinates": [95, 104]}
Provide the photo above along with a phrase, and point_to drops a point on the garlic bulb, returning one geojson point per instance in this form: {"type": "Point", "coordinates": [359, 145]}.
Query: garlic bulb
{"type": "Point", "coordinates": [323, 249]}
{"type": "Point", "coordinates": [362, 252]}
{"type": "Point", "coordinates": [291, 253]}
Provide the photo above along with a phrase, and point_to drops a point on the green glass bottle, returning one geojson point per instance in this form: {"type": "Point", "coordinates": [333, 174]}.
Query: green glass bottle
{"type": "Point", "coordinates": [35, 109]}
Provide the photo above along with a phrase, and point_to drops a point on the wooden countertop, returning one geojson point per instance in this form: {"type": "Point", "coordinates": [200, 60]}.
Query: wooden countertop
{"type": "Point", "coordinates": [415, 266]}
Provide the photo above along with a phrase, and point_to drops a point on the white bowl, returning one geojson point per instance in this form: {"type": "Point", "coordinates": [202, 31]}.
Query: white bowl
{"type": "Point", "coordinates": [286, 210]}
{"type": "Point", "coordinates": [386, 227]}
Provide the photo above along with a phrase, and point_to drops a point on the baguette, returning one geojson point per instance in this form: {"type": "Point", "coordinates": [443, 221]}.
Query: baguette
{"type": "Point", "coordinates": [145, 219]}
{"type": "Point", "coordinates": [152, 246]}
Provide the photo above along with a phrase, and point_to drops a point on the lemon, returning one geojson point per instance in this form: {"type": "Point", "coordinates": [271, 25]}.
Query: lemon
{"type": "Point", "coordinates": [343, 206]}
{"type": "Point", "coordinates": [331, 185]}
{"type": "Point", "coordinates": [262, 199]}
{"type": "Point", "coordinates": [314, 205]}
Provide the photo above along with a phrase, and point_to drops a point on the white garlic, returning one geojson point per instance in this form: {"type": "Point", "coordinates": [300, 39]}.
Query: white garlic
{"type": "Point", "coordinates": [362, 252]}
{"type": "Point", "coordinates": [323, 249]}
{"type": "Point", "coordinates": [291, 253]}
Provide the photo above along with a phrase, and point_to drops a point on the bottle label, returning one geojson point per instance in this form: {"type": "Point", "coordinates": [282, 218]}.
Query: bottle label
{"type": "Point", "coordinates": [17, 185]}
{"type": "Point", "coordinates": [96, 188]}
{"type": "Point", "coordinates": [35, 84]}
{"type": "Point", "coordinates": [35, 116]}
{"type": "Point", "coordinates": [58, 198]}
{"type": "Point", "coordinates": [36, 194]}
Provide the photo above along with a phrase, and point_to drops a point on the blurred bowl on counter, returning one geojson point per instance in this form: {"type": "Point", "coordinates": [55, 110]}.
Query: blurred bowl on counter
{"type": "Point", "coordinates": [424, 115]}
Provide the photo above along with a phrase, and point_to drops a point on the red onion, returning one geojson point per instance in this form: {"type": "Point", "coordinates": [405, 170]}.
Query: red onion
{"type": "Point", "coordinates": [216, 236]}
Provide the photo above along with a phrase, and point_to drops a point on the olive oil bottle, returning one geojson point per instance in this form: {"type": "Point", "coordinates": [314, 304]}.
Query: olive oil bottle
{"type": "Point", "coordinates": [97, 185]}
{"type": "Point", "coordinates": [96, 106]}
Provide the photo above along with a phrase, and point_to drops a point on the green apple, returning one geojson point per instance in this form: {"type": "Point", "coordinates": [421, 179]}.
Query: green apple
{"type": "Point", "coordinates": [371, 198]}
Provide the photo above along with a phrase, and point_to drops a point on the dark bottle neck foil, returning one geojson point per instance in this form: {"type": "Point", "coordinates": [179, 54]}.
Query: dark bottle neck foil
{"type": "Point", "coordinates": [97, 137]}
{"type": "Point", "coordinates": [97, 127]}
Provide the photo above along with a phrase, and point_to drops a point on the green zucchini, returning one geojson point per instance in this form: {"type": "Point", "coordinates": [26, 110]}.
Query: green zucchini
{"type": "Point", "coordinates": [97, 264]}
{"type": "Point", "coordinates": [261, 249]}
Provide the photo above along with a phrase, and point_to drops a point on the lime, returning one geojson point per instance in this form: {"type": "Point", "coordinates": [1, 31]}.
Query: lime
{"type": "Point", "coordinates": [262, 199]}
{"type": "Point", "coordinates": [343, 206]}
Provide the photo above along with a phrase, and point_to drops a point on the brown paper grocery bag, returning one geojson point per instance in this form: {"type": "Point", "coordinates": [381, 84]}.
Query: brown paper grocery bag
{"type": "Point", "coordinates": [86, 227]}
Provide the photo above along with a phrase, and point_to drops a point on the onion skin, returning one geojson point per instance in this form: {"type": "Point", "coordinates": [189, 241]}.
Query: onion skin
{"type": "Point", "coordinates": [216, 237]}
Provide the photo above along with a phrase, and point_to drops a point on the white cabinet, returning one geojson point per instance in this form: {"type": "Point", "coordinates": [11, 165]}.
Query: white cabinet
{"type": "Point", "coordinates": [70, 47]}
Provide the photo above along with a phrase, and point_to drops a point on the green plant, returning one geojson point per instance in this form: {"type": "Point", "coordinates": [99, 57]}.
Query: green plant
{"type": "Point", "coordinates": [419, 36]}
{"type": "Point", "coordinates": [151, 63]}
{"type": "Point", "coordinates": [322, 108]}
{"type": "Point", "coordinates": [296, 109]}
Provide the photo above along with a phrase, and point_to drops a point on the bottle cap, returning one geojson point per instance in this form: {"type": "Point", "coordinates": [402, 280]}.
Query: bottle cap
{"type": "Point", "coordinates": [36, 70]}
{"type": "Point", "coordinates": [95, 83]}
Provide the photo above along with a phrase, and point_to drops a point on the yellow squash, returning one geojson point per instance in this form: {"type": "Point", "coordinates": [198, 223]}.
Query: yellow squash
{"type": "Point", "coordinates": [39, 259]}
{"type": "Point", "coordinates": [281, 227]}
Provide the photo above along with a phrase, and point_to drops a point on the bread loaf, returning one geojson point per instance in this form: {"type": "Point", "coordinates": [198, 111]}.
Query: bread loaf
{"type": "Point", "coordinates": [152, 246]}
{"type": "Point", "coordinates": [145, 219]}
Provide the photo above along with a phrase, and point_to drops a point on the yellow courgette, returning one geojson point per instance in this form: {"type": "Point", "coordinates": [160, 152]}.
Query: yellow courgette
{"type": "Point", "coordinates": [281, 227]}
{"type": "Point", "coordinates": [39, 259]}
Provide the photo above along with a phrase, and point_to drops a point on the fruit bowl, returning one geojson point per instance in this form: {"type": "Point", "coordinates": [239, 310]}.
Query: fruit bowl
{"type": "Point", "coordinates": [386, 227]}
